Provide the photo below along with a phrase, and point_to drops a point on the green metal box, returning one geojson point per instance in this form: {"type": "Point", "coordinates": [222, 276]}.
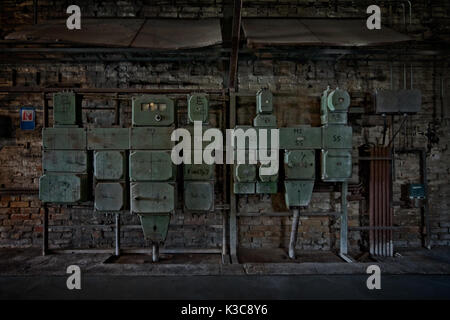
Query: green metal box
{"type": "Point", "coordinates": [199, 196]}
{"type": "Point", "coordinates": [63, 187]}
{"type": "Point", "coordinates": [334, 118]}
{"type": "Point", "coordinates": [109, 165]}
{"type": "Point", "coordinates": [70, 161]}
{"type": "Point", "coordinates": [265, 120]}
{"type": "Point", "coordinates": [66, 109]}
{"type": "Point", "coordinates": [337, 137]}
{"type": "Point", "coordinates": [336, 165]}
{"type": "Point", "coordinates": [338, 100]}
{"type": "Point", "coordinates": [110, 196]}
{"type": "Point", "coordinates": [244, 188]}
{"type": "Point", "coordinates": [198, 172]}
{"type": "Point", "coordinates": [108, 139]}
{"type": "Point", "coordinates": [149, 110]}
{"type": "Point", "coordinates": [64, 138]}
{"type": "Point", "coordinates": [300, 164]}
{"type": "Point", "coordinates": [302, 137]}
{"type": "Point", "coordinates": [198, 108]}
{"type": "Point", "coordinates": [245, 172]}
{"type": "Point", "coordinates": [155, 138]}
{"type": "Point", "coordinates": [264, 101]}
{"type": "Point", "coordinates": [151, 166]}
{"type": "Point", "coordinates": [298, 193]}
{"type": "Point", "coordinates": [265, 177]}
{"type": "Point", "coordinates": [155, 226]}
{"type": "Point", "coordinates": [152, 197]}
{"type": "Point", "coordinates": [266, 187]}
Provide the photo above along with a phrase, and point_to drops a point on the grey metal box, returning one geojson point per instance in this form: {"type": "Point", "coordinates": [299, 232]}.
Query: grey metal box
{"type": "Point", "coordinates": [198, 108]}
{"type": "Point", "coordinates": [71, 161]}
{"type": "Point", "coordinates": [302, 137]}
{"type": "Point", "coordinates": [199, 196]}
{"type": "Point", "coordinates": [152, 110]}
{"type": "Point", "coordinates": [64, 138]}
{"type": "Point", "coordinates": [151, 138]}
{"type": "Point", "coordinates": [63, 187]}
{"type": "Point", "coordinates": [152, 197]}
{"type": "Point", "coordinates": [300, 164]}
{"type": "Point", "coordinates": [336, 165]}
{"type": "Point", "coordinates": [108, 139]}
{"type": "Point", "coordinates": [109, 165]}
{"type": "Point", "coordinates": [244, 188]}
{"type": "Point", "coordinates": [110, 196]}
{"type": "Point", "coordinates": [337, 137]}
{"type": "Point", "coordinates": [66, 109]}
{"type": "Point", "coordinates": [151, 166]}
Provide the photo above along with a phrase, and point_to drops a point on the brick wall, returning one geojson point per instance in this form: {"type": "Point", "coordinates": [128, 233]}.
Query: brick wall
{"type": "Point", "coordinates": [297, 86]}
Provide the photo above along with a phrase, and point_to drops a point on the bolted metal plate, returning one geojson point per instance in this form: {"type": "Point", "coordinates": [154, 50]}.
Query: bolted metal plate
{"type": "Point", "coordinates": [265, 120]}
{"type": "Point", "coordinates": [198, 172]}
{"type": "Point", "coordinates": [336, 165]}
{"type": "Point", "coordinates": [199, 196]}
{"type": "Point", "coordinates": [264, 101]}
{"type": "Point", "coordinates": [109, 165]}
{"type": "Point", "coordinates": [152, 197]}
{"type": "Point", "coordinates": [63, 187]}
{"type": "Point", "coordinates": [245, 172]}
{"type": "Point", "coordinates": [64, 138]}
{"type": "Point", "coordinates": [298, 193]}
{"type": "Point", "coordinates": [110, 196]}
{"type": "Point", "coordinates": [300, 164]}
{"type": "Point", "coordinates": [66, 109]}
{"type": "Point", "coordinates": [155, 138]}
{"type": "Point", "coordinates": [73, 161]}
{"type": "Point", "coordinates": [155, 226]}
{"type": "Point", "coordinates": [198, 108]}
{"type": "Point", "coordinates": [108, 139]}
{"type": "Point", "coordinates": [148, 110]}
{"type": "Point", "coordinates": [244, 188]}
{"type": "Point", "coordinates": [302, 137]}
{"type": "Point", "coordinates": [337, 137]}
{"type": "Point", "coordinates": [266, 187]}
{"type": "Point", "coordinates": [151, 166]}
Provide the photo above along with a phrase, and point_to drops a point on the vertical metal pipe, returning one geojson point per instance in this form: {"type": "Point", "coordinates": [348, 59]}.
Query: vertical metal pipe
{"type": "Point", "coordinates": [426, 209]}
{"type": "Point", "coordinates": [344, 219]}
{"type": "Point", "coordinates": [155, 252]}
{"type": "Point", "coordinates": [44, 98]}
{"type": "Point", "coordinates": [117, 249]}
{"type": "Point", "coordinates": [294, 231]}
{"type": "Point", "coordinates": [45, 231]}
{"type": "Point", "coordinates": [35, 11]}
{"type": "Point", "coordinates": [372, 204]}
{"type": "Point", "coordinates": [382, 202]}
{"type": "Point", "coordinates": [224, 233]}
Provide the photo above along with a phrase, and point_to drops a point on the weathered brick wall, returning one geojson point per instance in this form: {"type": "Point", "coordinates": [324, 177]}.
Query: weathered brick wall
{"type": "Point", "coordinates": [297, 86]}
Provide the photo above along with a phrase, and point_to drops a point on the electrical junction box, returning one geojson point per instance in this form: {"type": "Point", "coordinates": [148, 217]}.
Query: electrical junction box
{"type": "Point", "coordinates": [416, 191]}
{"type": "Point", "coordinates": [148, 110]}
{"type": "Point", "coordinates": [108, 139]}
{"type": "Point", "coordinates": [110, 196]}
{"type": "Point", "coordinates": [265, 120]}
{"type": "Point", "coordinates": [198, 196]}
{"type": "Point", "coordinates": [244, 188]}
{"type": "Point", "coordinates": [336, 165]}
{"type": "Point", "coordinates": [300, 164]}
{"type": "Point", "coordinates": [64, 138]}
{"type": "Point", "coordinates": [66, 109]}
{"type": "Point", "coordinates": [302, 137]}
{"type": "Point", "coordinates": [109, 165]}
{"type": "Point", "coordinates": [245, 172]}
{"type": "Point", "coordinates": [338, 101]}
{"type": "Point", "coordinates": [264, 177]}
{"type": "Point", "coordinates": [198, 172]}
{"type": "Point", "coordinates": [63, 187]}
{"type": "Point", "coordinates": [70, 161]}
{"type": "Point", "coordinates": [264, 101]}
{"type": "Point", "coordinates": [397, 101]}
{"type": "Point", "coordinates": [152, 197]}
{"type": "Point", "coordinates": [298, 193]}
{"type": "Point", "coordinates": [266, 187]}
{"type": "Point", "coordinates": [334, 106]}
{"type": "Point", "coordinates": [155, 226]}
{"type": "Point", "coordinates": [153, 138]}
{"type": "Point", "coordinates": [198, 108]}
{"type": "Point", "coordinates": [151, 166]}
{"type": "Point", "coordinates": [337, 137]}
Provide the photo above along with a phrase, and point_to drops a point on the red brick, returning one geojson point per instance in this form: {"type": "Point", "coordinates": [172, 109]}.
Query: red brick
{"type": "Point", "coordinates": [20, 204]}
{"type": "Point", "coordinates": [20, 216]}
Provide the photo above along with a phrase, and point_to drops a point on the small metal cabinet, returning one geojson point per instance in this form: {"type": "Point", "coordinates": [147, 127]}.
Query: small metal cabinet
{"type": "Point", "coordinates": [198, 172]}
{"type": "Point", "coordinates": [151, 166]}
{"type": "Point", "coordinates": [264, 101]}
{"type": "Point", "coordinates": [152, 110]}
{"type": "Point", "coordinates": [198, 108]}
{"type": "Point", "coordinates": [266, 177]}
{"type": "Point", "coordinates": [152, 197]}
{"type": "Point", "coordinates": [110, 196]}
{"type": "Point", "coordinates": [336, 165]}
{"type": "Point", "coordinates": [154, 138]}
{"type": "Point", "coordinates": [337, 137]}
{"type": "Point", "coordinates": [298, 193]}
{"type": "Point", "coordinates": [302, 137]}
{"type": "Point", "coordinates": [64, 138]}
{"type": "Point", "coordinates": [266, 187]}
{"type": "Point", "coordinates": [109, 165]}
{"type": "Point", "coordinates": [245, 172]}
{"type": "Point", "coordinates": [108, 139]}
{"type": "Point", "coordinates": [66, 109]}
{"type": "Point", "coordinates": [300, 164]}
{"type": "Point", "coordinates": [244, 188]}
{"type": "Point", "coordinates": [265, 120]}
{"type": "Point", "coordinates": [63, 187]}
{"type": "Point", "coordinates": [70, 161]}
{"type": "Point", "coordinates": [199, 196]}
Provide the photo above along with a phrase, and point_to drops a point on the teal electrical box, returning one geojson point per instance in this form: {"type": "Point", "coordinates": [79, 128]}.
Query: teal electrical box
{"type": "Point", "coordinates": [198, 172]}
{"type": "Point", "coordinates": [336, 165]}
{"type": "Point", "coordinates": [300, 164]}
{"type": "Point", "coordinates": [298, 193]}
{"type": "Point", "coordinates": [70, 161]}
{"type": "Point", "coordinates": [151, 138]}
{"type": "Point", "coordinates": [198, 108]}
{"type": "Point", "coordinates": [152, 197]}
{"type": "Point", "coordinates": [245, 172]}
{"type": "Point", "coordinates": [337, 137]}
{"type": "Point", "coordinates": [151, 166]}
{"type": "Point", "coordinates": [155, 226]}
{"type": "Point", "coordinates": [266, 187]}
{"type": "Point", "coordinates": [264, 101]}
{"type": "Point", "coordinates": [110, 196]}
{"type": "Point", "coordinates": [66, 109]}
{"type": "Point", "coordinates": [64, 138]}
{"type": "Point", "coordinates": [109, 165]}
{"type": "Point", "coordinates": [152, 110]}
{"type": "Point", "coordinates": [302, 137]}
{"type": "Point", "coordinates": [267, 177]}
{"type": "Point", "coordinates": [108, 139]}
{"type": "Point", "coordinates": [244, 188]}
{"type": "Point", "coordinates": [265, 120]}
{"type": "Point", "coordinates": [199, 196]}
{"type": "Point", "coordinates": [63, 187]}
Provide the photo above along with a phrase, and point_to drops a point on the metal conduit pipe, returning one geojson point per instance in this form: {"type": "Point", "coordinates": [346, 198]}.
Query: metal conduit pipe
{"type": "Point", "coordinates": [155, 252]}
{"type": "Point", "coordinates": [294, 230]}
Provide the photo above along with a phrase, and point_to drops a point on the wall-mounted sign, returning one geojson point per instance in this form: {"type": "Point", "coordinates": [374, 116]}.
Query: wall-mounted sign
{"type": "Point", "coordinates": [27, 118]}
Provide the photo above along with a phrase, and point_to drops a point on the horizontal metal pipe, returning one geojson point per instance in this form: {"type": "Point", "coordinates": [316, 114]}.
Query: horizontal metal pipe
{"type": "Point", "coordinates": [137, 251]}
{"type": "Point", "coordinates": [106, 90]}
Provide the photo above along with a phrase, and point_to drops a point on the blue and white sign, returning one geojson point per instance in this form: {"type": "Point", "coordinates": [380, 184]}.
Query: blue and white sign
{"type": "Point", "coordinates": [27, 118]}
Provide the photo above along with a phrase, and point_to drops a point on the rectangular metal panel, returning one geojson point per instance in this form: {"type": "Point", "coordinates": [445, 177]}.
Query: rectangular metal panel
{"type": "Point", "coordinates": [153, 138]}
{"type": "Point", "coordinates": [302, 137]}
{"type": "Point", "coordinates": [398, 101]}
{"type": "Point", "coordinates": [300, 164]}
{"type": "Point", "coordinates": [244, 188]}
{"type": "Point", "coordinates": [63, 187]}
{"type": "Point", "coordinates": [151, 166]}
{"type": "Point", "coordinates": [334, 118]}
{"type": "Point", "coordinates": [245, 172]}
{"type": "Point", "coordinates": [198, 171]}
{"type": "Point", "coordinates": [152, 110]}
{"type": "Point", "coordinates": [108, 139]}
{"type": "Point", "coordinates": [155, 226]}
{"type": "Point", "coordinates": [199, 196]}
{"type": "Point", "coordinates": [336, 165]}
{"type": "Point", "coordinates": [73, 161]}
{"type": "Point", "coordinates": [264, 101]}
{"type": "Point", "coordinates": [152, 197]}
{"type": "Point", "coordinates": [198, 108]}
{"type": "Point", "coordinates": [109, 165]}
{"type": "Point", "coordinates": [266, 187]}
{"type": "Point", "coordinates": [66, 109]}
{"type": "Point", "coordinates": [298, 193]}
{"type": "Point", "coordinates": [265, 120]}
{"type": "Point", "coordinates": [110, 196]}
{"type": "Point", "coordinates": [337, 137]}
{"type": "Point", "coordinates": [64, 138]}
{"type": "Point", "coordinates": [409, 101]}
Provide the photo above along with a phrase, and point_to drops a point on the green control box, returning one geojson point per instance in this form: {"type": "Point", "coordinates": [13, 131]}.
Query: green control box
{"type": "Point", "coordinates": [336, 165]}
{"type": "Point", "coordinates": [152, 110]}
{"type": "Point", "coordinates": [337, 137]}
{"type": "Point", "coordinates": [110, 196]}
{"type": "Point", "coordinates": [70, 161]}
{"type": "Point", "coordinates": [66, 109]}
{"type": "Point", "coordinates": [64, 138]}
{"type": "Point", "coordinates": [264, 101]}
{"type": "Point", "coordinates": [199, 196]}
{"type": "Point", "coordinates": [63, 188]}
{"type": "Point", "coordinates": [151, 166]}
{"type": "Point", "coordinates": [302, 137]}
{"type": "Point", "coordinates": [298, 193]}
{"type": "Point", "coordinates": [108, 139]}
{"type": "Point", "coordinates": [198, 108]}
{"type": "Point", "coordinates": [300, 164]}
{"type": "Point", "coordinates": [152, 197]}
{"type": "Point", "coordinates": [109, 165]}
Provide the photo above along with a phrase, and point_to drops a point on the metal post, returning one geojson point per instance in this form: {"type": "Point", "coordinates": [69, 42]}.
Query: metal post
{"type": "Point", "coordinates": [155, 252]}
{"type": "Point", "coordinates": [117, 251]}
{"type": "Point", "coordinates": [233, 218]}
{"type": "Point", "coordinates": [344, 223]}
{"type": "Point", "coordinates": [294, 231]}
{"type": "Point", "coordinates": [45, 232]}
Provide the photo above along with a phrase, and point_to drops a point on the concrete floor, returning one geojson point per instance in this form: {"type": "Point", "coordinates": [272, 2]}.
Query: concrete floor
{"type": "Point", "coordinates": [261, 274]}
